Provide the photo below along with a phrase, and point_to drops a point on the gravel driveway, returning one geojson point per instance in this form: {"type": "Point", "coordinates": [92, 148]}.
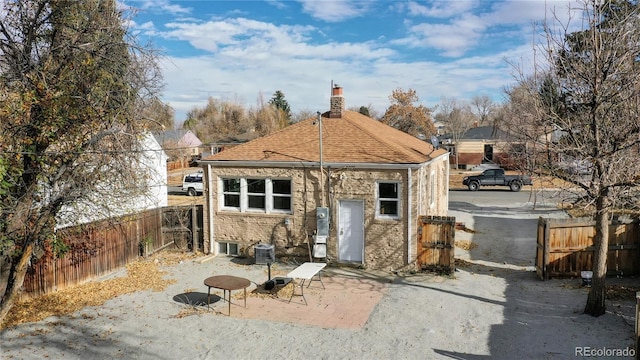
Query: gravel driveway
{"type": "Point", "coordinates": [494, 307]}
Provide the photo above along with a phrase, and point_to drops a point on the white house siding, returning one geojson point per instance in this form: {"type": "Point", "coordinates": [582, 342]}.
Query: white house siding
{"type": "Point", "coordinates": [471, 146]}
{"type": "Point", "coordinates": [431, 188]}
{"type": "Point", "coordinates": [152, 163]}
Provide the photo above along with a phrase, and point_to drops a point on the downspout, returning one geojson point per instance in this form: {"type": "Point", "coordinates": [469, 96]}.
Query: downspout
{"type": "Point", "coordinates": [210, 209]}
{"type": "Point", "coordinates": [322, 185]}
{"type": "Point", "coordinates": [409, 216]}
{"type": "Point", "coordinates": [329, 198]}
{"type": "Point", "coordinates": [446, 185]}
{"type": "Point", "coordinates": [420, 190]}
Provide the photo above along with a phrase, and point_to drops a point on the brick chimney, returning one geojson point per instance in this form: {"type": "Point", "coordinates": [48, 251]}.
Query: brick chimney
{"type": "Point", "coordinates": [337, 102]}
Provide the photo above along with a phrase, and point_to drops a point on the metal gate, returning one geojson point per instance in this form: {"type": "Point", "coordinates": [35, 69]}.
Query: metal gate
{"type": "Point", "coordinates": [436, 243]}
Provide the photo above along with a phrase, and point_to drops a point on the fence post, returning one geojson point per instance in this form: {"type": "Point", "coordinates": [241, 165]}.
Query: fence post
{"type": "Point", "coordinates": [194, 226]}
{"type": "Point", "coordinates": [637, 326]}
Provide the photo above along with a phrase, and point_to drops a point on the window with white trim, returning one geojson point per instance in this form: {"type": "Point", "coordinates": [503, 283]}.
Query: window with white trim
{"type": "Point", "coordinates": [388, 200]}
{"type": "Point", "coordinates": [231, 194]}
{"type": "Point", "coordinates": [256, 195]}
{"type": "Point", "coordinates": [227, 248]}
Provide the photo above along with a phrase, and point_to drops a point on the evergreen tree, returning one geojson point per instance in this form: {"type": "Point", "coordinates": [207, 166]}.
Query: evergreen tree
{"type": "Point", "coordinates": [281, 104]}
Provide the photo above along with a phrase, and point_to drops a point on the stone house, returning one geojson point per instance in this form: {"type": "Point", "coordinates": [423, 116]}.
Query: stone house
{"type": "Point", "coordinates": [375, 182]}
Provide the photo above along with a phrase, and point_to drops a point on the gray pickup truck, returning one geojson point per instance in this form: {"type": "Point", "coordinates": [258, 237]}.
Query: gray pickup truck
{"type": "Point", "coordinates": [496, 177]}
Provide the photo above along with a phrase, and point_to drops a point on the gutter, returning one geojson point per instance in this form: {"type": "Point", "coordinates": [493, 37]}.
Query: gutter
{"type": "Point", "coordinates": [305, 164]}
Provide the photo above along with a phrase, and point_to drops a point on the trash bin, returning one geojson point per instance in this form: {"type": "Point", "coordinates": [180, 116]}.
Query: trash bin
{"type": "Point", "coordinates": [586, 277]}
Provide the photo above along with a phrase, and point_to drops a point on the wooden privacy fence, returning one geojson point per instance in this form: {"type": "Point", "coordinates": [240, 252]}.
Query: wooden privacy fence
{"type": "Point", "coordinates": [99, 248]}
{"type": "Point", "coordinates": [565, 247]}
{"type": "Point", "coordinates": [436, 243]}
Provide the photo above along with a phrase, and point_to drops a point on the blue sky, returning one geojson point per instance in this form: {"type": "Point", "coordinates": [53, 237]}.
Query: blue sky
{"type": "Point", "coordinates": [241, 50]}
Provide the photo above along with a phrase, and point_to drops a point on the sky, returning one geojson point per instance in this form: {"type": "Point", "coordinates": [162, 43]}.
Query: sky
{"type": "Point", "coordinates": [244, 51]}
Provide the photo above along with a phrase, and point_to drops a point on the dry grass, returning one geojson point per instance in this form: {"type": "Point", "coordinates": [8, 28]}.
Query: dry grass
{"type": "Point", "coordinates": [181, 200]}
{"type": "Point", "coordinates": [141, 275]}
{"type": "Point", "coordinates": [282, 292]}
{"type": "Point", "coordinates": [462, 263]}
{"type": "Point", "coordinates": [466, 244]}
{"type": "Point", "coordinates": [620, 292]}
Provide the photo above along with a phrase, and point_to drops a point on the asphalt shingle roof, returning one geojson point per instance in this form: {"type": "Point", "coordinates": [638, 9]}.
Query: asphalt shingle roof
{"type": "Point", "coordinates": [353, 138]}
{"type": "Point", "coordinates": [485, 133]}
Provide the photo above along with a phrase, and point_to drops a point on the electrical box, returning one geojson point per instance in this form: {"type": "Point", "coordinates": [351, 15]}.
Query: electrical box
{"type": "Point", "coordinates": [322, 219]}
{"type": "Point", "coordinates": [320, 251]}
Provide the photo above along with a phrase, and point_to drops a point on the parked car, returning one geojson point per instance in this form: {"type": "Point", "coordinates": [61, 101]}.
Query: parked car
{"type": "Point", "coordinates": [577, 167]}
{"type": "Point", "coordinates": [496, 177]}
{"type": "Point", "coordinates": [192, 184]}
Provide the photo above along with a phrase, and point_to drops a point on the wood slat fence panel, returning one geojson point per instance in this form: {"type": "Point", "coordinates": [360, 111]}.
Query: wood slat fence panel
{"type": "Point", "coordinates": [565, 248]}
{"type": "Point", "coordinates": [99, 248]}
{"type": "Point", "coordinates": [436, 243]}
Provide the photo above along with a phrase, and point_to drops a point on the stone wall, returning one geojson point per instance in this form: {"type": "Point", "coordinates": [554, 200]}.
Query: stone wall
{"type": "Point", "coordinates": [386, 240]}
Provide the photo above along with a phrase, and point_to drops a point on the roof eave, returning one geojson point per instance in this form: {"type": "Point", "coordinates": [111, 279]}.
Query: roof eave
{"type": "Point", "coordinates": [306, 164]}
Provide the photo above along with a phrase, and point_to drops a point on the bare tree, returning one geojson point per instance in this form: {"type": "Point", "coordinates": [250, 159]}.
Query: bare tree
{"type": "Point", "coordinates": [218, 119]}
{"type": "Point", "coordinates": [303, 115]}
{"type": "Point", "coordinates": [71, 80]}
{"type": "Point", "coordinates": [368, 110]}
{"type": "Point", "coordinates": [457, 119]}
{"type": "Point", "coordinates": [483, 108]}
{"type": "Point", "coordinates": [584, 105]}
{"type": "Point", "coordinates": [404, 115]}
{"type": "Point", "coordinates": [157, 114]}
{"type": "Point", "coordinates": [272, 116]}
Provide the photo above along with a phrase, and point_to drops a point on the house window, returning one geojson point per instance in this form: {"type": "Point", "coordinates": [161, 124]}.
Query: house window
{"type": "Point", "coordinates": [281, 194]}
{"type": "Point", "coordinates": [388, 202]}
{"type": "Point", "coordinates": [256, 194]}
{"type": "Point", "coordinates": [231, 193]}
{"type": "Point", "coordinates": [250, 194]}
{"type": "Point", "coordinates": [227, 248]}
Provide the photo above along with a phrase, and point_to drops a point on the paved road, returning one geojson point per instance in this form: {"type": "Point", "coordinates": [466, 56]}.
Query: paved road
{"type": "Point", "coordinates": [175, 190]}
{"type": "Point", "coordinates": [504, 223]}
{"type": "Point", "coordinates": [505, 197]}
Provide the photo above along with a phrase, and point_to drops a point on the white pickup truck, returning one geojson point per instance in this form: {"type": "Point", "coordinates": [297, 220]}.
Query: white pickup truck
{"type": "Point", "coordinates": [192, 184]}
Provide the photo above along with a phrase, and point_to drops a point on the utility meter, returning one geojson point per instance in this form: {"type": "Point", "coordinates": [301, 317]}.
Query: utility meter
{"type": "Point", "coordinates": [322, 220]}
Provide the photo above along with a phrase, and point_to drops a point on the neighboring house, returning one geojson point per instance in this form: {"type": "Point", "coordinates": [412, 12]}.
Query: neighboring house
{"type": "Point", "coordinates": [113, 202]}
{"type": "Point", "coordinates": [376, 182]}
{"type": "Point", "coordinates": [480, 145]}
{"type": "Point", "coordinates": [229, 142]}
{"type": "Point", "coordinates": [440, 127]}
{"type": "Point", "coordinates": [179, 144]}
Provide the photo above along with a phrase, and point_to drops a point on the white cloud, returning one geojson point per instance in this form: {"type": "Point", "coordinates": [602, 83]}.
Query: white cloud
{"type": "Point", "coordinates": [459, 30]}
{"type": "Point", "coordinates": [164, 6]}
{"type": "Point", "coordinates": [277, 4]}
{"type": "Point", "coordinates": [306, 81]}
{"type": "Point", "coordinates": [249, 39]}
{"type": "Point", "coordinates": [147, 26]}
{"type": "Point", "coordinates": [440, 9]}
{"type": "Point", "coordinates": [246, 58]}
{"type": "Point", "coordinates": [453, 39]}
{"type": "Point", "coordinates": [334, 10]}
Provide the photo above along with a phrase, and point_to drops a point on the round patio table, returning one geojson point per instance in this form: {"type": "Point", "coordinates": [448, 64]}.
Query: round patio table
{"type": "Point", "coordinates": [226, 283]}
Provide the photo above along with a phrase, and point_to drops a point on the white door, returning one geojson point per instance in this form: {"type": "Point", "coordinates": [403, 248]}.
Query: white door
{"type": "Point", "coordinates": [351, 230]}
